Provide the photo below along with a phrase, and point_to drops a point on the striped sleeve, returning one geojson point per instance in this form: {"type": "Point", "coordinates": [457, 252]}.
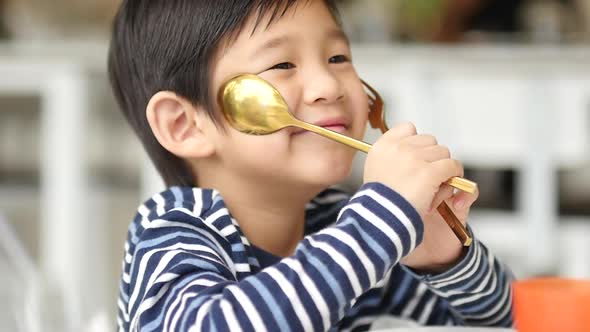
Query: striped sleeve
{"type": "Point", "coordinates": [475, 292]}
{"type": "Point", "coordinates": [477, 289]}
{"type": "Point", "coordinates": [182, 276]}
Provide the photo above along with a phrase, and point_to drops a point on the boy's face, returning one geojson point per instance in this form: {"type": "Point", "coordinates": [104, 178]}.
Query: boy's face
{"type": "Point", "coordinates": [306, 56]}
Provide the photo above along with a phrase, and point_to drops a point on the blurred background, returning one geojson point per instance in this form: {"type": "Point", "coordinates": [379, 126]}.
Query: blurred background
{"type": "Point", "coordinates": [503, 83]}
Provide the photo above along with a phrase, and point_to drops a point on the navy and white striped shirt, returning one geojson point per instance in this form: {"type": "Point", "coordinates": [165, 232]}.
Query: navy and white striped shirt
{"type": "Point", "coordinates": [188, 267]}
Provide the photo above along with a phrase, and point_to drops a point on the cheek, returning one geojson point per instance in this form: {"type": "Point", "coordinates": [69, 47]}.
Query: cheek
{"type": "Point", "coordinates": [290, 94]}
{"type": "Point", "coordinates": [251, 154]}
{"type": "Point", "coordinates": [360, 113]}
{"type": "Point", "coordinates": [286, 85]}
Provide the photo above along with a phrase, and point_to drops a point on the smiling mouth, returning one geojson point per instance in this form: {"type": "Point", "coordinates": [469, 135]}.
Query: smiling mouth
{"type": "Point", "coordinates": [339, 128]}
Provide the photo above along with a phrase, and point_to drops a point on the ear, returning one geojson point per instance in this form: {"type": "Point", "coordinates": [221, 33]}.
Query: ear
{"type": "Point", "coordinates": [177, 127]}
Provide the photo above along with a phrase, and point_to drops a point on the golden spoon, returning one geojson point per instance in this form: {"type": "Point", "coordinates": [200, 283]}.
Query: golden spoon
{"type": "Point", "coordinates": [253, 106]}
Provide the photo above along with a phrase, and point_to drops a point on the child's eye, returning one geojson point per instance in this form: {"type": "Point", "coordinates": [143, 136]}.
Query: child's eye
{"type": "Point", "coordinates": [283, 66]}
{"type": "Point", "coordinates": [338, 59]}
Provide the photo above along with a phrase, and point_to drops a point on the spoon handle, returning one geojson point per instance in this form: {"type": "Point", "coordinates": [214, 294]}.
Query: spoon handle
{"type": "Point", "coordinates": [457, 182]}
{"type": "Point", "coordinates": [353, 143]}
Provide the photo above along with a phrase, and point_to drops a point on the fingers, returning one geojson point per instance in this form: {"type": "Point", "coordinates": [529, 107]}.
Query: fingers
{"type": "Point", "coordinates": [434, 153]}
{"type": "Point", "coordinates": [427, 149]}
{"type": "Point", "coordinates": [464, 200]}
{"type": "Point", "coordinates": [427, 146]}
{"type": "Point", "coordinates": [400, 131]}
{"type": "Point", "coordinates": [445, 192]}
{"type": "Point", "coordinates": [422, 140]}
{"type": "Point", "coordinates": [416, 166]}
{"type": "Point", "coordinates": [447, 168]}
{"type": "Point", "coordinates": [406, 133]}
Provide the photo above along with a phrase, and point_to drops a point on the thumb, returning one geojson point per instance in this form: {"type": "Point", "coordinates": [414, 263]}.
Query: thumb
{"type": "Point", "coordinates": [445, 192]}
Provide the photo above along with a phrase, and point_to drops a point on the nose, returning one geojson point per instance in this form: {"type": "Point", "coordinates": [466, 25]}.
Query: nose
{"type": "Point", "coordinates": [322, 86]}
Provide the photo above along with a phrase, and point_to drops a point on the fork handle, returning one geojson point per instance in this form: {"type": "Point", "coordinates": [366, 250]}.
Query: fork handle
{"type": "Point", "coordinates": [456, 226]}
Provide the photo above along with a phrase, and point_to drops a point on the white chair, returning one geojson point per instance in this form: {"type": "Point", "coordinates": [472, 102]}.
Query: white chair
{"type": "Point", "coordinates": [19, 285]}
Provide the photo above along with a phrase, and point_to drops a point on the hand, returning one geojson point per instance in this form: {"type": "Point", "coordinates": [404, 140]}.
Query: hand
{"type": "Point", "coordinates": [440, 248]}
{"type": "Point", "coordinates": [413, 165]}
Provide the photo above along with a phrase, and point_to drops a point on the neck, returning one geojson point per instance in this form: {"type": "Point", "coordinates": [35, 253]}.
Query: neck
{"type": "Point", "coordinates": [270, 216]}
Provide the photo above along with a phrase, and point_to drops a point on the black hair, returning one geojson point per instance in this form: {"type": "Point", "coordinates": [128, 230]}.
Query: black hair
{"type": "Point", "coordinates": [169, 45]}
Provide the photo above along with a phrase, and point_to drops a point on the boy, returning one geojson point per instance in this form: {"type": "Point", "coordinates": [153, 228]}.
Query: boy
{"type": "Point", "coordinates": [262, 244]}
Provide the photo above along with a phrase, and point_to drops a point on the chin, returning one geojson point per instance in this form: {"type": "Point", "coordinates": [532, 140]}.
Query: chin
{"type": "Point", "coordinates": [328, 173]}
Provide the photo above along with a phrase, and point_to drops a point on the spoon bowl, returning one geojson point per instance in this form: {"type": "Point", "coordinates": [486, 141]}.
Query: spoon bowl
{"type": "Point", "coordinates": [253, 106]}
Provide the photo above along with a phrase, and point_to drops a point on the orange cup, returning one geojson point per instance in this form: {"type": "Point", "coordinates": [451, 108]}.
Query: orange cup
{"type": "Point", "coordinates": [552, 304]}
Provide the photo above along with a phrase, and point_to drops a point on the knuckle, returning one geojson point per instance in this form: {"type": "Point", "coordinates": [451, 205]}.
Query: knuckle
{"type": "Point", "coordinates": [445, 151]}
{"type": "Point", "coordinates": [431, 139]}
{"type": "Point", "coordinates": [409, 128]}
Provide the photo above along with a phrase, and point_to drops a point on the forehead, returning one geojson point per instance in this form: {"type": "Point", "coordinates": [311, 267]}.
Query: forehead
{"type": "Point", "coordinates": [305, 24]}
{"type": "Point", "coordinates": [282, 20]}
{"type": "Point", "coordinates": [284, 12]}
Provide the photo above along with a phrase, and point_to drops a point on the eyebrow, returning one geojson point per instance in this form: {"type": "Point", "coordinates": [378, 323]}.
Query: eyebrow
{"type": "Point", "coordinates": [277, 42]}
{"type": "Point", "coordinates": [270, 44]}
{"type": "Point", "coordinates": [338, 34]}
